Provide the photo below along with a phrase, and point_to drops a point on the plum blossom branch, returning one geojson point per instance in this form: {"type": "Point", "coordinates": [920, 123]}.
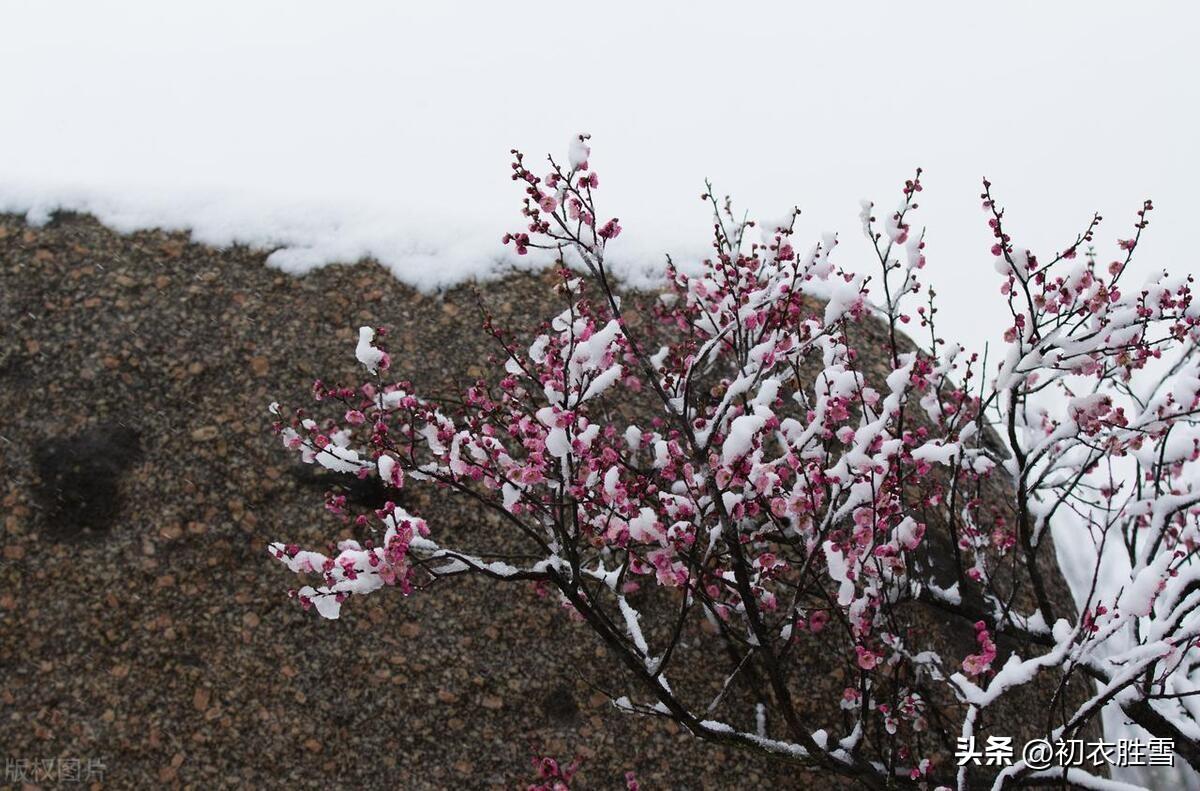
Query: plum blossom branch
{"type": "Point", "coordinates": [807, 483]}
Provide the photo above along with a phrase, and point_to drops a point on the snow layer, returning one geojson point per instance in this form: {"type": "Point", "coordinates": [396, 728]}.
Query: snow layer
{"type": "Point", "coordinates": [383, 129]}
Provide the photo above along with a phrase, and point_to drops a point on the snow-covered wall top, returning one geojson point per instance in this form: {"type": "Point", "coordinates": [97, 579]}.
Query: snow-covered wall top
{"type": "Point", "coordinates": [383, 129]}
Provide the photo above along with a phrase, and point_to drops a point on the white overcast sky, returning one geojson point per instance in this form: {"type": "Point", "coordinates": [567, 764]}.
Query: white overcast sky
{"type": "Point", "coordinates": [351, 128]}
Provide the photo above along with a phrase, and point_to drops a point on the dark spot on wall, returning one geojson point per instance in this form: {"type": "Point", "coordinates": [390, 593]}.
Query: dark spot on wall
{"type": "Point", "coordinates": [79, 478]}
{"type": "Point", "coordinates": [560, 707]}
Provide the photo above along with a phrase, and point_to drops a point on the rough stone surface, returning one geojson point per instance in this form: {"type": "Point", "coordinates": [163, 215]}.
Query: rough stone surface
{"type": "Point", "coordinates": [142, 622]}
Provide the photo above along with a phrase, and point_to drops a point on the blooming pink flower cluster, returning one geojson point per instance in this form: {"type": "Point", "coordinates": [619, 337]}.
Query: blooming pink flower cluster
{"type": "Point", "coordinates": [357, 568]}
{"type": "Point", "coordinates": [746, 455]}
{"type": "Point", "coordinates": [977, 664]}
{"type": "Point", "coordinates": [551, 775]}
{"type": "Point", "coordinates": [554, 776]}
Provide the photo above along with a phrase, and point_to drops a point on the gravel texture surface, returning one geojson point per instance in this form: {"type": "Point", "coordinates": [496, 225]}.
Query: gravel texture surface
{"type": "Point", "coordinates": [142, 623]}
